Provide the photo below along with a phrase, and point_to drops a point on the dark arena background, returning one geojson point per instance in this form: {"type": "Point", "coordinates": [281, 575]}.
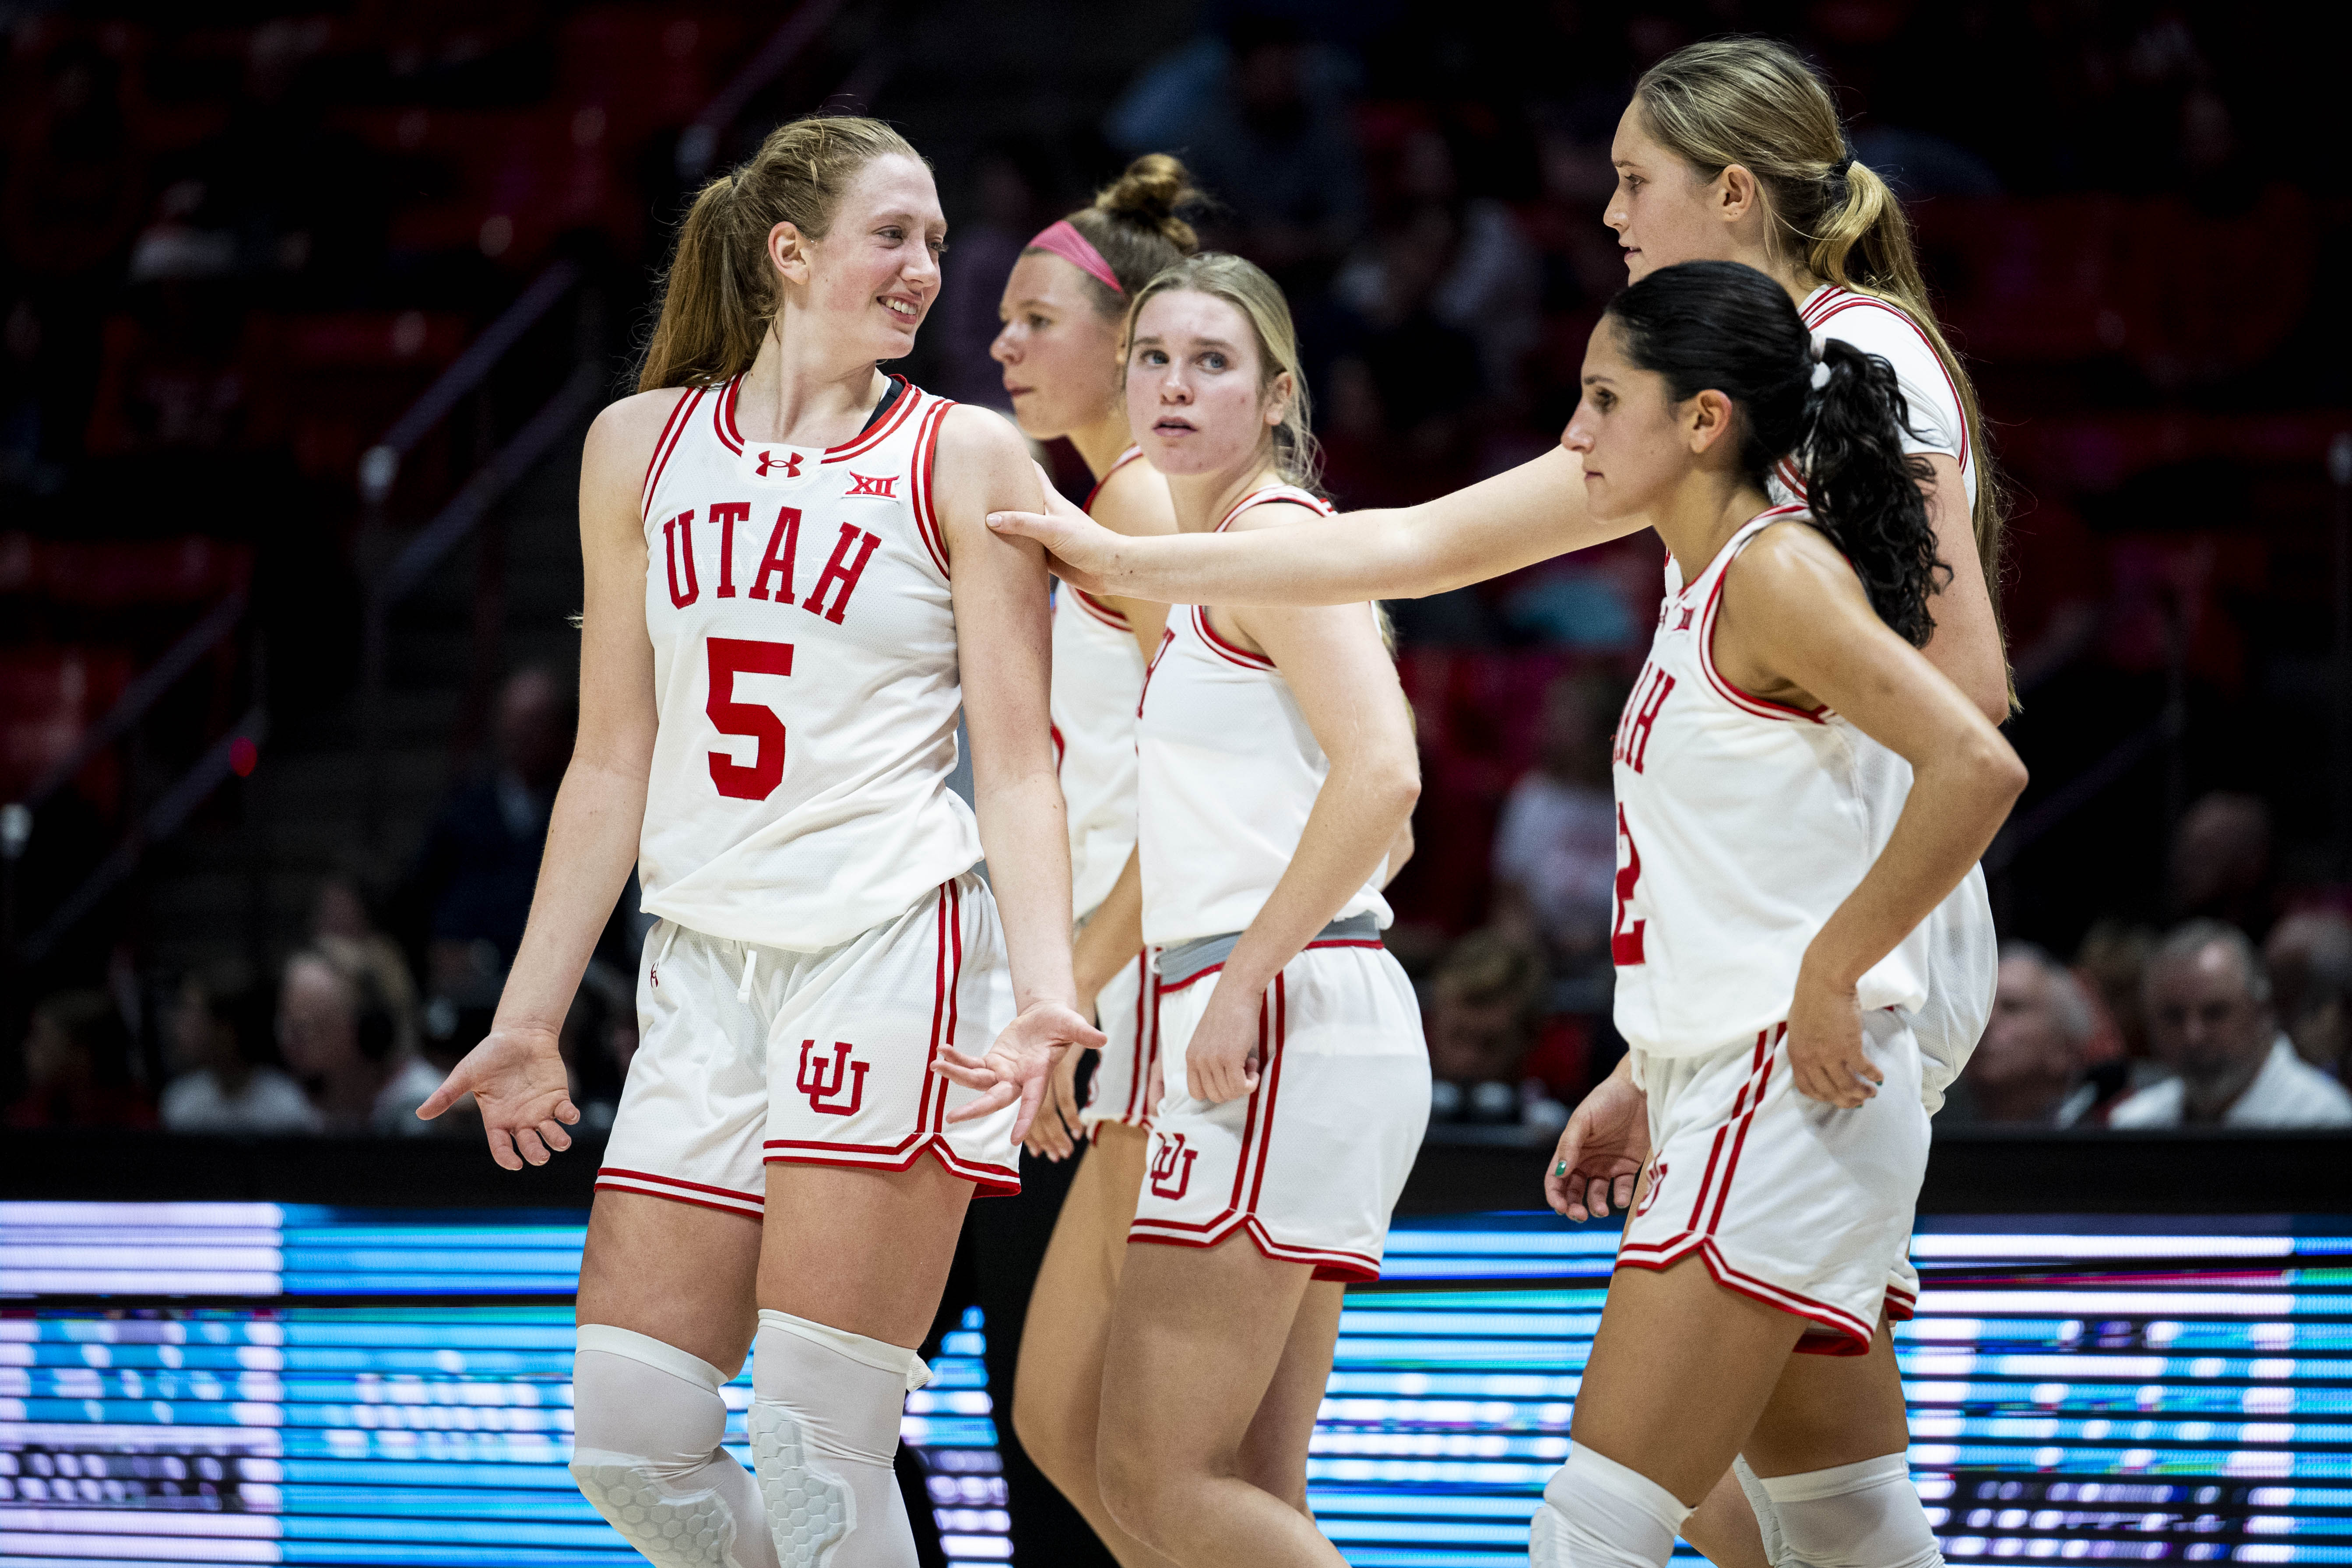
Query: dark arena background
{"type": "Point", "coordinates": [303, 315]}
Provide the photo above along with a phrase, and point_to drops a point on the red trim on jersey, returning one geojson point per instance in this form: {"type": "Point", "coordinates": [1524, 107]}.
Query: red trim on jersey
{"type": "Point", "coordinates": [1836, 301]}
{"type": "Point", "coordinates": [1229, 652]}
{"type": "Point", "coordinates": [990, 1180]}
{"type": "Point", "coordinates": [1346, 1268]}
{"type": "Point", "coordinates": [908, 396]}
{"type": "Point", "coordinates": [722, 417]}
{"type": "Point", "coordinates": [1167, 635]}
{"type": "Point", "coordinates": [919, 483]}
{"type": "Point", "coordinates": [1146, 1024]}
{"type": "Point", "coordinates": [1098, 610]}
{"type": "Point", "coordinates": [1292, 493]}
{"type": "Point", "coordinates": [1849, 1335]}
{"type": "Point", "coordinates": [602, 1185]}
{"type": "Point", "coordinates": [1746, 702]}
{"type": "Point", "coordinates": [672, 430]}
{"type": "Point", "coordinates": [1122, 460]}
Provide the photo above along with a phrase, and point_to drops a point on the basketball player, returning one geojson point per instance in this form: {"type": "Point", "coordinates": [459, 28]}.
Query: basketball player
{"type": "Point", "coordinates": [1731, 149]}
{"type": "Point", "coordinates": [1797, 791]}
{"type": "Point", "coordinates": [1065, 311]}
{"type": "Point", "coordinates": [1277, 767]}
{"type": "Point", "coordinates": [789, 595]}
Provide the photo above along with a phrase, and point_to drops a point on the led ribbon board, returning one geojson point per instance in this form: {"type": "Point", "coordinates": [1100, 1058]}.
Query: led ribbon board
{"type": "Point", "coordinates": [255, 1382]}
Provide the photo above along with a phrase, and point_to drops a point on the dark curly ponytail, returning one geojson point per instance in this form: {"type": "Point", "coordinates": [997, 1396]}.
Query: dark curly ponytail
{"type": "Point", "coordinates": [1722, 325]}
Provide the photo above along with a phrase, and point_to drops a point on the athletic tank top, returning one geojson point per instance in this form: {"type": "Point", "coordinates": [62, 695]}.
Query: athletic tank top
{"type": "Point", "coordinates": [1963, 951]}
{"type": "Point", "coordinates": [1742, 824]}
{"type": "Point", "coordinates": [1229, 772]}
{"type": "Point", "coordinates": [805, 663]}
{"type": "Point", "coordinates": [1097, 679]}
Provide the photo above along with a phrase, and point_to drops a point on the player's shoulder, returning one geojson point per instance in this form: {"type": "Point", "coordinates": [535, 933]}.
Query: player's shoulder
{"type": "Point", "coordinates": [1870, 323]}
{"type": "Point", "coordinates": [1277, 510]}
{"type": "Point", "coordinates": [623, 438]}
{"type": "Point", "coordinates": [1133, 499]}
{"type": "Point", "coordinates": [1789, 554]}
{"type": "Point", "coordinates": [969, 434]}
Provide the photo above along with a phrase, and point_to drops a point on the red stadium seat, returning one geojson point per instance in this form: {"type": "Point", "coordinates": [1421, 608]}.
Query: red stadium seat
{"type": "Point", "coordinates": [49, 697]}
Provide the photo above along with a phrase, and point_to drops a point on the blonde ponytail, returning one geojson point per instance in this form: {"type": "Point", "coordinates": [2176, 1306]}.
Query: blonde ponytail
{"type": "Point", "coordinates": [719, 293]}
{"type": "Point", "coordinates": [1756, 103]}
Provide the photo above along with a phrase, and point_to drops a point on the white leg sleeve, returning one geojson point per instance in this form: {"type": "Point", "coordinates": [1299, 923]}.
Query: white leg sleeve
{"type": "Point", "coordinates": [1854, 1516]}
{"type": "Point", "coordinates": [1767, 1518]}
{"type": "Point", "coordinates": [1596, 1513]}
{"type": "Point", "coordinates": [646, 1420]}
{"type": "Point", "coordinates": [825, 1404]}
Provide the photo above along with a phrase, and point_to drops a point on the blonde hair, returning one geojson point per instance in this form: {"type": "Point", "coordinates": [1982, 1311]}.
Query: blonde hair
{"type": "Point", "coordinates": [1133, 226]}
{"type": "Point", "coordinates": [1298, 456]}
{"type": "Point", "coordinates": [720, 292]}
{"type": "Point", "coordinates": [1756, 103]}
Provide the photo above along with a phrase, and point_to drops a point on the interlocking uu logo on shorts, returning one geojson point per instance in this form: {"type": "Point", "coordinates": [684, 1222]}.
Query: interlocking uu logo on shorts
{"type": "Point", "coordinates": [824, 1090]}
{"type": "Point", "coordinates": [1172, 1167]}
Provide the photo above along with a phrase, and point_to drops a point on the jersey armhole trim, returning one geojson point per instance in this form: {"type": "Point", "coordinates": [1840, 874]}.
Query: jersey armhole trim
{"type": "Point", "coordinates": [1745, 701]}
{"type": "Point", "coordinates": [1852, 301]}
{"type": "Point", "coordinates": [866, 440]}
{"type": "Point", "coordinates": [919, 483]}
{"type": "Point", "coordinates": [673, 431]}
{"type": "Point", "coordinates": [1229, 652]}
{"type": "Point", "coordinates": [1100, 611]}
{"type": "Point", "coordinates": [1122, 460]}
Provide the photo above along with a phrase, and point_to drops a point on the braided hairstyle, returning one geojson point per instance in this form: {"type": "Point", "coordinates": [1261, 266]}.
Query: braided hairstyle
{"type": "Point", "coordinates": [1840, 417]}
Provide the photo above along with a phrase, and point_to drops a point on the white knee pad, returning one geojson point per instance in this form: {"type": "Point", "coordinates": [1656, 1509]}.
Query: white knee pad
{"type": "Point", "coordinates": [1854, 1516]}
{"type": "Point", "coordinates": [647, 1419]}
{"type": "Point", "coordinates": [1768, 1516]}
{"type": "Point", "coordinates": [1596, 1513]}
{"type": "Point", "coordinates": [825, 1404]}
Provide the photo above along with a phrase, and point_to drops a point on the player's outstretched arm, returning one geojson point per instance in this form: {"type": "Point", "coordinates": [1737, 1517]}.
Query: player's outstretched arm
{"type": "Point", "coordinates": [1527, 514]}
{"type": "Point", "coordinates": [1796, 625]}
{"type": "Point", "coordinates": [516, 1075]}
{"type": "Point", "coordinates": [1003, 633]}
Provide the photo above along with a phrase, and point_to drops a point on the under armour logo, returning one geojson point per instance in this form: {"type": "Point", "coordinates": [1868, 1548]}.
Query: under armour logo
{"type": "Point", "coordinates": [860, 485]}
{"type": "Point", "coordinates": [790, 467]}
{"type": "Point", "coordinates": [1172, 1167]}
{"type": "Point", "coordinates": [1685, 623]}
{"type": "Point", "coordinates": [823, 1088]}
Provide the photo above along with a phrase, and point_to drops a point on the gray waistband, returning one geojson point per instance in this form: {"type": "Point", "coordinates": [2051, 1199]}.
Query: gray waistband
{"type": "Point", "coordinates": [1186, 961]}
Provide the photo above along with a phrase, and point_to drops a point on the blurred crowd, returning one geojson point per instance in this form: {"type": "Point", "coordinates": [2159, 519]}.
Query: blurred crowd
{"type": "Point", "coordinates": [230, 254]}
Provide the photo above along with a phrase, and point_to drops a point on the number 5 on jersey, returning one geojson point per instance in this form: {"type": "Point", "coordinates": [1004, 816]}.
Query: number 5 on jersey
{"type": "Point", "coordinates": [732, 657]}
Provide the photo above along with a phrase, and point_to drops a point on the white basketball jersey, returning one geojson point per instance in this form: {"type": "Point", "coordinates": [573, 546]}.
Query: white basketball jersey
{"type": "Point", "coordinates": [1932, 404]}
{"type": "Point", "coordinates": [1962, 949]}
{"type": "Point", "coordinates": [1097, 680]}
{"type": "Point", "coordinates": [804, 662]}
{"type": "Point", "coordinates": [1742, 825]}
{"type": "Point", "coordinates": [1230, 771]}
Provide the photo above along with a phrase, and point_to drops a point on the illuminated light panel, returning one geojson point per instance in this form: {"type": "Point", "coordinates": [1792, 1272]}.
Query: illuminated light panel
{"type": "Point", "coordinates": [2093, 1394]}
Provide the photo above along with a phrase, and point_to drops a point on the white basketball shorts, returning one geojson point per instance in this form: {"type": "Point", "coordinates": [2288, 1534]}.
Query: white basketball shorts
{"type": "Point", "coordinates": [1311, 1164]}
{"type": "Point", "coordinates": [1801, 1205]}
{"type": "Point", "coordinates": [1125, 1011]}
{"type": "Point", "coordinates": [751, 1056]}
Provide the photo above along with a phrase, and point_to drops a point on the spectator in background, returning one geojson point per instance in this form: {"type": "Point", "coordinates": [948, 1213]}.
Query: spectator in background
{"type": "Point", "coordinates": [1555, 857]}
{"type": "Point", "coordinates": [474, 877]}
{"type": "Point", "coordinates": [1486, 995]}
{"type": "Point", "coordinates": [1261, 117]}
{"type": "Point", "coordinates": [346, 1042]}
{"type": "Point", "coordinates": [2027, 1068]}
{"type": "Point", "coordinates": [2219, 865]}
{"type": "Point", "coordinates": [213, 1039]}
{"type": "Point", "coordinates": [2112, 962]}
{"type": "Point", "coordinates": [2310, 960]}
{"type": "Point", "coordinates": [78, 1067]}
{"type": "Point", "coordinates": [2210, 1021]}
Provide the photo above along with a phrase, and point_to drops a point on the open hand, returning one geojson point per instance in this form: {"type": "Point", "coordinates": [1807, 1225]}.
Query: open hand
{"type": "Point", "coordinates": [1823, 1040]}
{"type": "Point", "coordinates": [1080, 547]}
{"type": "Point", "coordinates": [1017, 1065]}
{"type": "Point", "coordinates": [1600, 1152]}
{"type": "Point", "coordinates": [516, 1076]}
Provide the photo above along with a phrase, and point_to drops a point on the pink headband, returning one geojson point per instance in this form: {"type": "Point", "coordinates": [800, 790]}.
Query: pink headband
{"type": "Point", "coordinates": [1071, 245]}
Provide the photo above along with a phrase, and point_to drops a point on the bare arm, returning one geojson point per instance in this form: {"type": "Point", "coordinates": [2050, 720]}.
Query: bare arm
{"type": "Point", "coordinates": [1347, 689]}
{"type": "Point", "coordinates": [1532, 513]}
{"type": "Point", "coordinates": [515, 1073]}
{"type": "Point", "coordinates": [1966, 644]}
{"type": "Point", "coordinates": [1796, 625]}
{"type": "Point", "coordinates": [1003, 633]}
